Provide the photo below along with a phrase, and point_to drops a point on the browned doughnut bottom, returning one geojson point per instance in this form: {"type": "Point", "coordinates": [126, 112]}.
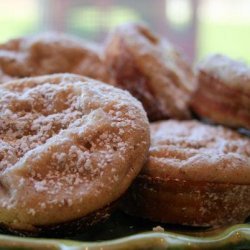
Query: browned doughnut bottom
{"type": "Point", "coordinates": [187, 202]}
{"type": "Point", "coordinates": [68, 228]}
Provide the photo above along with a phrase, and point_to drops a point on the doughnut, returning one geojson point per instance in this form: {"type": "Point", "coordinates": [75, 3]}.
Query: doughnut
{"type": "Point", "coordinates": [51, 53]}
{"type": "Point", "coordinates": [196, 175]}
{"type": "Point", "coordinates": [151, 69]}
{"type": "Point", "coordinates": [70, 146]}
{"type": "Point", "coordinates": [223, 92]}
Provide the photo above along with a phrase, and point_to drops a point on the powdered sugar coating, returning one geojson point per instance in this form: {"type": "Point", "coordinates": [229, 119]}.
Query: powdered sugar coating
{"type": "Point", "coordinates": [198, 152]}
{"type": "Point", "coordinates": [50, 53]}
{"type": "Point", "coordinates": [222, 95]}
{"type": "Point", "coordinates": [152, 69]}
{"type": "Point", "coordinates": [233, 73]}
{"type": "Point", "coordinates": [68, 143]}
{"type": "Point", "coordinates": [196, 175]}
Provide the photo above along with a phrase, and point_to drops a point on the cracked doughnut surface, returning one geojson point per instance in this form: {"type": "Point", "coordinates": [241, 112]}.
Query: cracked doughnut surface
{"type": "Point", "coordinates": [69, 146]}
{"type": "Point", "coordinates": [51, 53]}
{"type": "Point", "coordinates": [196, 175]}
{"type": "Point", "coordinates": [152, 70]}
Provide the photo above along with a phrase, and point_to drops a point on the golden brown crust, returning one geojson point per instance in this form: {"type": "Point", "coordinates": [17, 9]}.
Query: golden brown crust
{"type": "Point", "coordinates": [188, 203]}
{"type": "Point", "coordinates": [151, 69]}
{"type": "Point", "coordinates": [223, 93]}
{"type": "Point", "coordinates": [196, 175]}
{"type": "Point", "coordinates": [68, 144]}
{"type": "Point", "coordinates": [51, 53]}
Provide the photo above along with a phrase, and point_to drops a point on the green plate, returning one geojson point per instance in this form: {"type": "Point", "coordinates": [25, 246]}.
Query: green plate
{"type": "Point", "coordinates": [122, 232]}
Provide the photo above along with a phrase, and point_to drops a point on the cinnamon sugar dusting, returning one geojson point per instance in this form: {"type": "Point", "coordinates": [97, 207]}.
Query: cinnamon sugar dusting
{"type": "Point", "coordinates": [62, 137]}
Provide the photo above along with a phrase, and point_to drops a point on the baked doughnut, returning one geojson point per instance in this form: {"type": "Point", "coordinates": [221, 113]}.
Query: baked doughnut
{"type": "Point", "coordinates": [223, 93]}
{"type": "Point", "coordinates": [196, 175]}
{"type": "Point", "coordinates": [151, 69]}
{"type": "Point", "coordinates": [69, 147]}
{"type": "Point", "coordinates": [50, 53]}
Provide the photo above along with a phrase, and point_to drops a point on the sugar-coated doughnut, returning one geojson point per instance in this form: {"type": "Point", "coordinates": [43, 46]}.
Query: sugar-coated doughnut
{"type": "Point", "coordinates": [151, 69]}
{"type": "Point", "coordinates": [223, 93]}
{"type": "Point", "coordinates": [50, 53]}
{"type": "Point", "coordinates": [70, 146]}
{"type": "Point", "coordinates": [196, 175]}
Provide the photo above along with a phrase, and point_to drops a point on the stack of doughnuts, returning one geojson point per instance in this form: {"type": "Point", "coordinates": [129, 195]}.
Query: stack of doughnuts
{"type": "Point", "coordinates": [73, 149]}
{"type": "Point", "coordinates": [132, 58]}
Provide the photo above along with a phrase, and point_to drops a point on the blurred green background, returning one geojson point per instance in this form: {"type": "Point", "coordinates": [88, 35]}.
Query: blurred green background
{"type": "Point", "coordinates": [208, 25]}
